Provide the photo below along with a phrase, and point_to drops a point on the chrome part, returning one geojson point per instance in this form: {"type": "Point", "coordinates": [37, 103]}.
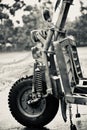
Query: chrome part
{"type": "Point", "coordinates": [29, 107]}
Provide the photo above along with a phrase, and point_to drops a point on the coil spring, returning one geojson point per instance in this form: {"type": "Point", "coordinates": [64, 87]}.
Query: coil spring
{"type": "Point", "coordinates": [38, 80]}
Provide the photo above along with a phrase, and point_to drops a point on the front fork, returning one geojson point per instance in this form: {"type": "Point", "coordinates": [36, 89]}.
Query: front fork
{"type": "Point", "coordinates": [37, 86]}
{"type": "Point", "coordinates": [37, 83]}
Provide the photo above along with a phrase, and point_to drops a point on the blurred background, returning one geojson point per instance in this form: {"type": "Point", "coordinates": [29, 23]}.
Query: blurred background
{"type": "Point", "coordinates": [19, 17]}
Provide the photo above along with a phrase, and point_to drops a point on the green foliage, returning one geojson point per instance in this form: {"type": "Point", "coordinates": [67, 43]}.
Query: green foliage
{"type": "Point", "coordinates": [16, 6]}
{"type": "Point", "coordinates": [12, 9]}
{"type": "Point", "coordinates": [28, 8]}
{"type": "Point", "coordinates": [3, 16]}
{"type": "Point", "coordinates": [8, 23]}
{"type": "Point", "coordinates": [78, 28]}
{"type": "Point", "coordinates": [20, 37]}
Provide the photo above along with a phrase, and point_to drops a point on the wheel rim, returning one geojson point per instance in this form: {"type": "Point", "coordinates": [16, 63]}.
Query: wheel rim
{"type": "Point", "coordinates": [29, 110]}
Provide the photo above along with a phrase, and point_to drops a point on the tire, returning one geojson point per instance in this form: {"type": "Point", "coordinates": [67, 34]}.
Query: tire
{"type": "Point", "coordinates": [35, 115]}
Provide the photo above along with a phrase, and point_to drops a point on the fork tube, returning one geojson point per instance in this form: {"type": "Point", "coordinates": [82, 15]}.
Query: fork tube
{"type": "Point", "coordinates": [59, 24]}
{"type": "Point", "coordinates": [62, 16]}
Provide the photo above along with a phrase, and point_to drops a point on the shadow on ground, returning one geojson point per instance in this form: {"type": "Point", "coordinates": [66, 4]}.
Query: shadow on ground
{"type": "Point", "coordinates": [43, 128]}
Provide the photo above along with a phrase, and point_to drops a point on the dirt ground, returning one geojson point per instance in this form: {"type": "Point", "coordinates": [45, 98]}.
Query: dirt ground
{"type": "Point", "coordinates": [19, 64]}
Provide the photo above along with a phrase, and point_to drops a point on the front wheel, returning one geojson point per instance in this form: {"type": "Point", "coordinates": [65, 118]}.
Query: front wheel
{"type": "Point", "coordinates": [31, 115]}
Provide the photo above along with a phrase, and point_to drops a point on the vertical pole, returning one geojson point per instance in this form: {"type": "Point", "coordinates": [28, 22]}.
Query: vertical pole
{"type": "Point", "coordinates": [72, 126]}
{"type": "Point", "coordinates": [59, 24]}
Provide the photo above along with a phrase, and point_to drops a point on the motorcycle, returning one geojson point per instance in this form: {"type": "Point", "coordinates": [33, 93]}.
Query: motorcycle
{"type": "Point", "coordinates": [57, 75]}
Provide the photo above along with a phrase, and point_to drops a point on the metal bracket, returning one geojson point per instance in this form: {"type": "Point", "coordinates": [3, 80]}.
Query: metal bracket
{"type": "Point", "coordinates": [63, 108]}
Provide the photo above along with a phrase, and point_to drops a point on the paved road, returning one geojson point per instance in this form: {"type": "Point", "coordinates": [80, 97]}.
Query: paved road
{"type": "Point", "coordinates": [15, 65]}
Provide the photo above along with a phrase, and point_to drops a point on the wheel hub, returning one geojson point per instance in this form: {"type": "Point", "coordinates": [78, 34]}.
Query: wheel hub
{"type": "Point", "coordinates": [29, 107]}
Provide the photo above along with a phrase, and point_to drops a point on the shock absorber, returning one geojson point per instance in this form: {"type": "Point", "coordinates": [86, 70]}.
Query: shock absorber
{"type": "Point", "coordinates": [38, 82]}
